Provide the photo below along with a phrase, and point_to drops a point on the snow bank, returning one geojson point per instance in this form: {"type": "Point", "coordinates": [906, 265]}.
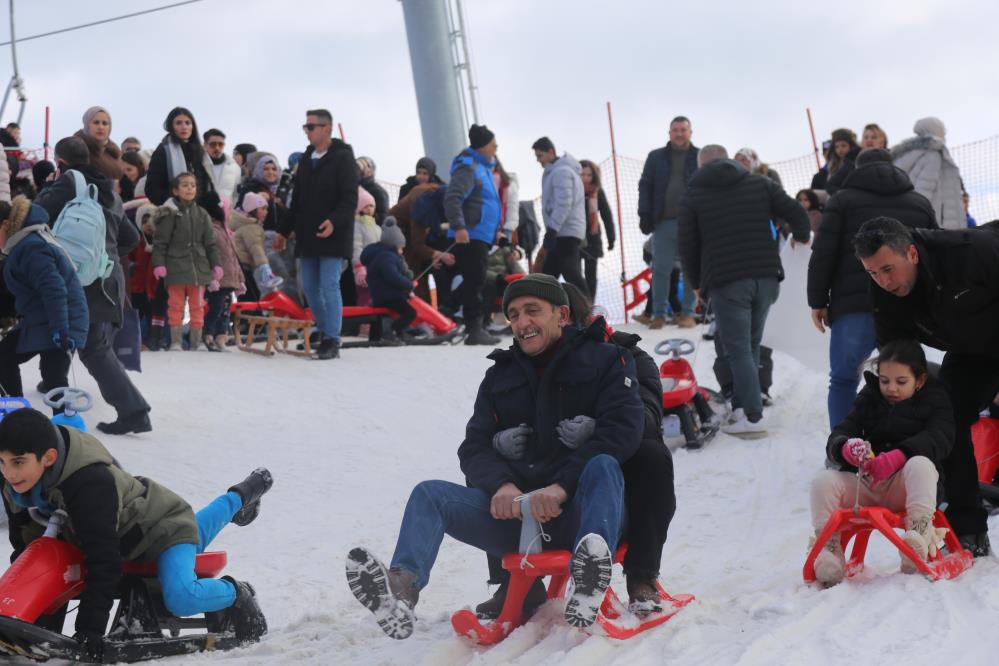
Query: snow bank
{"type": "Point", "coordinates": [347, 440]}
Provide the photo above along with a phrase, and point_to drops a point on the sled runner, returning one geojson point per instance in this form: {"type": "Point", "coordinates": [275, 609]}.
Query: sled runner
{"type": "Point", "coordinates": [683, 398]}
{"type": "Point", "coordinates": [49, 573]}
{"type": "Point", "coordinates": [847, 524]}
{"type": "Point", "coordinates": [614, 618]}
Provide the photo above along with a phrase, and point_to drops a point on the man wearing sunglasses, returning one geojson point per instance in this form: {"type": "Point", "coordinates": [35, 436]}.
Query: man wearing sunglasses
{"type": "Point", "coordinates": [221, 168]}
{"type": "Point", "coordinates": [322, 218]}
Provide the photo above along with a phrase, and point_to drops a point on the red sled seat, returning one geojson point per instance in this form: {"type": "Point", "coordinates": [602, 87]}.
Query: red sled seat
{"type": "Point", "coordinates": [206, 565]}
{"type": "Point", "coordinates": [555, 563]}
{"type": "Point", "coordinates": [985, 438]}
{"type": "Point", "coordinates": [847, 524]}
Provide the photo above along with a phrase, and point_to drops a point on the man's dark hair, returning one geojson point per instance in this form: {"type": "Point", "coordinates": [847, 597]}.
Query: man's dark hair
{"type": "Point", "coordinates": [543, 144]}
{"type": "Point", "coordinates": [322, 114]}
{"type": "Point", "coordinates": [72, 150]}
{"type": "Point", "coordinates": [13, 126]}
{"type": "Point", "coordinates": [872, 155]}
{"type": "Point", "coordinates": [213, 132]}
{"type": "Point", "coordinates": [680, 119]}
{"type": "Point", "coordinates": [879, 232]}
{"type": "Point", "coordinates": [131, 139]}
{"type": "Point", "coordinates": [27, 430]}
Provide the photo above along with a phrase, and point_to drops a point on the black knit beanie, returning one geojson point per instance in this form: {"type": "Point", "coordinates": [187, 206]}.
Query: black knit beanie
{"type": "Point", "coordinates": [479, 135]}
{"type": "Point", "coordinates": [540, 285]}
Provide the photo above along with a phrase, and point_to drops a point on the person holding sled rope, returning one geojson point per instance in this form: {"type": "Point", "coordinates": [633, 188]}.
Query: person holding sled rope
{"type": "Point", "coordinates": [114, 516]}
{"type": "Point", "coordinates": [526, 435]}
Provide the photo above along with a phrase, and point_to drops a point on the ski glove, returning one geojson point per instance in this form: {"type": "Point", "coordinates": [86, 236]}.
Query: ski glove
{"type": "Point", "coordinates": [856, 451]}
{"type": "Point", "coordinates": [63, 341]}
{"type": "Point", "coordinates": [884, 465]}
{"type": "Point", "coordinates": [218, 273]}
{"type": "Point", "coordinates": [512, 442]}
{"type": "Point", "coordinates": [574, 432]}
{"type": "Point", "coordinates": [92, 644]}
{"type": "Point", "coordinates": [160, 272]}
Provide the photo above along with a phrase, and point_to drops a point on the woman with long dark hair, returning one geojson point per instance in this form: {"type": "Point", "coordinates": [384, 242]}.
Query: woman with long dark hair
{"type": "Point", "coordinates": [179, 152]}
{"type": "Point", "coordinates": [596, 206]}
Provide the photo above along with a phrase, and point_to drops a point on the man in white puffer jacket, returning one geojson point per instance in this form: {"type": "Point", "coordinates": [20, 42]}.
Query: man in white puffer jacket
{"type": "Point", "coordinates": [933, 172]}
{"type": "Point", "coordinates": [564, 213]}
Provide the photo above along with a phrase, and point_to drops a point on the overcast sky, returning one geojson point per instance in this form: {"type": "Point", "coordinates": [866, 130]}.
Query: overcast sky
{"type": "Point", "coordinates": [743, 72]}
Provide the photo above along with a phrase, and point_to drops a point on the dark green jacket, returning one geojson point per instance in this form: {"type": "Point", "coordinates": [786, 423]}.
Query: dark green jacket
{"type": "Point", "coordinates": [113, 516]}
{"type": "Point", "coordinates": [185, 243]}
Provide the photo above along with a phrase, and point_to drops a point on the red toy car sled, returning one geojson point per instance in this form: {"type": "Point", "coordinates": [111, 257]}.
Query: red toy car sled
{"type": "Point", "coordinates": [683, 398]}
{"type": "Point", "coordinates": [985, 437]}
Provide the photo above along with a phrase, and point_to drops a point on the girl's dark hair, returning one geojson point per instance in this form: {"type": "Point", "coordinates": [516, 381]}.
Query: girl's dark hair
{"type": "Point", "coordinates": [580, 305]}
{"type": "Point", "coordinates": [133, 158]}
{"type": "Point", "coordinates": [594, 169]}
{"type": "Point", "coordinates": [192, 145]}
{"type": "Point", "coordinates": [175, 183]}
{"type": "Point", "coordinates": [906, 352]}
{"type": "Point", "coordinates": [4, 211]}
{"type": "Point", "coordinates": [504, 176]}
{"type": "Point", "coordinates": [813, 198]}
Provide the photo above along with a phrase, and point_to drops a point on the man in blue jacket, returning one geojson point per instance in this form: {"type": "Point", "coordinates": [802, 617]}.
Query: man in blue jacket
{"type": "Point", "coordinates": [473, 211]}
{"type": "Point", "coordinates": [660, 189]}
{"type": "Point", "coordinates": [525, 437]}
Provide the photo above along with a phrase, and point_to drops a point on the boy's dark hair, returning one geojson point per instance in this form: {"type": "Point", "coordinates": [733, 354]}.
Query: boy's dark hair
{"type": "Point", "coordinates": [543, 144]}
{"type": "Point", "coordinates": [213, 132]}
{"type": "Point", "coordinates": [27, 430]}
{"type": "Point", "coordinates": [322, 114]}
{"type": "Point", "coordinates": [680, 119]}
{"type": "Point", "coordinates": [175, 183]}
{"type": "Point", "coordinates": [906, 352]}
{"type": "Point", "coordinates": [72, 150]}
{"type": "Point", "coordinates": [879, 232]}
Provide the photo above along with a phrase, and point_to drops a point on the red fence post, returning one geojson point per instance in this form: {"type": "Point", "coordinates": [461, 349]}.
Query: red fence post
{"type": "Point", "coordinates": [815, 145]}
{"type": "Point", "coordinates": [620, 222]}
{"type": "Point", "coordinates": [46, 144]}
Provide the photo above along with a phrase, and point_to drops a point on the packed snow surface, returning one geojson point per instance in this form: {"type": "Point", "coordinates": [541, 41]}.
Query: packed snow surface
{"type": "Point", "coordinates": [347, 439]}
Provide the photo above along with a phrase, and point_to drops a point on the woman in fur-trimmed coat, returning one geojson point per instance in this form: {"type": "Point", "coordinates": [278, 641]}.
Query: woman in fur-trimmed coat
{"type": "Point", "coordinates": [933, 171]}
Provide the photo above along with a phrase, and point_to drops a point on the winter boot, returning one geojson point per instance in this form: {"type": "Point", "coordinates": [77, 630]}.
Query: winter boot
{"type": "Point", "coordinates": [922, 537]}
{"type": "Point", "coordinates": [209, 341]}
{"type": "Point", "coordinates": [328, 349]}
{"type": "Point", "coordinates": [643, 595]}
{"type": "Point", "coordinates": [176, 335]}
{"type": "Point", "coordinates": [243, 619]}
{"type": "Point", "coordinates": [978, 544]}
{"type": "Point", "coordinates": [390, 595]}
{"type": "Point", "coordinates": [266, 279]}
{"type": "Point", "coordinates": [250, 490]}
{"type": "Point", "coordinates": [590, 567]}
{"type": "Point", "coordinates": [491, 609]}
{"type": "Point", "coordinates": [194, 339]}
{"type": "Point", "coordinates": [830, 564]}
{"type": "Point", "coordinates": [137, 422]}
{"type": "Point", "coordinates": [155, 341]}
{"type": "Point", "coordinates": [478, 336]}
{"type": "Point", "coordinates": [220, 343]}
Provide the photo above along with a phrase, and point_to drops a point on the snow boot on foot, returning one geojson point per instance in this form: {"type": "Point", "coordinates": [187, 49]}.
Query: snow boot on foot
{"type": "Point", "coordinates": [243, 619]}
{"type": "Point", "coordinates": [830, 563]}
{"type": "Point", "coordinates": [137, 422]}
{"type": "Point", "coordinates": [250, 491]}
{"type": "Point", "coordinates": [194, 339]}
{"type": "Point", "coordinates": [478, 336]}
{"type": "Point", "coordinates": [390, 595]}
{"type": "Point", "coordinates": [590, 568]}
{"type": "Point", "coordinates": [210, 345]}
{"type": "Point", "coordinates": [155, 341]}
{"type": "Point", "coordinates": [265, 278]}
{"type": "Point", "coordinates": [922, 537]}
{"type": "Point", "coordinates": [978, 544]}
{"type": "Point", "coordinates": [221, 343]}
{"type": "Point", "coordinates": [491, 609]}
{"type": "Point", "coordinates": [643, 595]}
{"type": "Point", "coordinates": [328, 349]}
{"type": "Point", "coordinates": [176, 335]}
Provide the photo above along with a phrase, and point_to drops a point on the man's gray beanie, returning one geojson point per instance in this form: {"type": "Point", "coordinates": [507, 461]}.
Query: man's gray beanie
{"type": "Point", "coordinates": [540, 285]}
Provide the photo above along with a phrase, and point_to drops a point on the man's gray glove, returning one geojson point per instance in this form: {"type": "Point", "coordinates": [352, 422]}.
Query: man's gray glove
{"type": "Point", "coordinates": [574, 432]}
{"type": "Point", "coordinates": [510, 443]}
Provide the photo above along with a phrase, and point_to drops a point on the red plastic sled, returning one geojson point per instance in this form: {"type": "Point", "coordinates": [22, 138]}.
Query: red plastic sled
{"type": "Point", "coordinates": [282, 305]}
{"type": "Point", "coordinates": [985, 437]}
{"type": "Point", "coordinates": [555, 563]}
{"type": "Point", "coordinates": [858, 526]}
{"type": "Point", "coordinates": [682, 396]}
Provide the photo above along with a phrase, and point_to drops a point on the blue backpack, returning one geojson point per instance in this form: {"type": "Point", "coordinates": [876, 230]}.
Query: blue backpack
{"type": "Point", "coordinates": [81, 231]}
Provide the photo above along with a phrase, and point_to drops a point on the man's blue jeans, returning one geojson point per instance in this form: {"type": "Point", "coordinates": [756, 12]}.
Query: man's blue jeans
{"type": "Point", "coordinates": [665, 245]}
{"type": "Point", "coordinates": [741, 309]}
{"type": "Point", "coordinates": [436, 508]}
{"type": "Point", "coordinates": [321, 283]}
{"type": "Point", "coordinates": [851, 341]}
{"type": "Point", "coordinates": [184, 593]}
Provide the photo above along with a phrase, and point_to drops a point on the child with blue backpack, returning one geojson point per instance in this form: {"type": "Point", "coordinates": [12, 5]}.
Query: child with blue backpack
{"type": "Point", "coordinates": [389, 280]}
{"type": "Point", "coordinates": [48, 297]}
{"type": "Point", "coordinates": [186, 258]}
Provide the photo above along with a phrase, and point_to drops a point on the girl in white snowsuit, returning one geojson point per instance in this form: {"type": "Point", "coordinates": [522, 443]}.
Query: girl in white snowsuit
{"type": "Point", "coordinates": [899, 430]}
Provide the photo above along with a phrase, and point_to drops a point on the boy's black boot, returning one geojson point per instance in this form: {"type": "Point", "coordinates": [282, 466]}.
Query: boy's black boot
{"type": "Point", "coordinates": [328, 349]}
{"type": "Point", "coordinates": [478, 336]}
{"type": "Point", "coordinates": [250, 490]}
{"type": "Point", "coordinates": [244, 618]}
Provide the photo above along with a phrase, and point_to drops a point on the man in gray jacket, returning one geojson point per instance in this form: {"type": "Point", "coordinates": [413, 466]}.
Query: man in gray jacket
{"type": "Point", "coordinates": [564, 213]}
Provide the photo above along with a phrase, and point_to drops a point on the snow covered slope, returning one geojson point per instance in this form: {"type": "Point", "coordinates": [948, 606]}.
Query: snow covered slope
{"type": "Point", "coordinates": [347, 440]}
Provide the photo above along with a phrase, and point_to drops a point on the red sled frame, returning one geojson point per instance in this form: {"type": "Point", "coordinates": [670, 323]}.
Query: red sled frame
{"type": "Point", "coordinates": [555, 563]}
{"type": "Point", "coordinates": [858, 525]}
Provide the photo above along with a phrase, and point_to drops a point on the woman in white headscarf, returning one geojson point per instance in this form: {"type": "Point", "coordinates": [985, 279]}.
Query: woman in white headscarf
{"type": "Point", "coordinates": [933, 172]}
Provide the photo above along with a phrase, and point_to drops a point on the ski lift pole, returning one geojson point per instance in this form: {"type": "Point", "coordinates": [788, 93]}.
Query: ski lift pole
{"type": "Point", "coordinates": [620, 220]}
{"type": "Point", "coordinates": [45, 145]}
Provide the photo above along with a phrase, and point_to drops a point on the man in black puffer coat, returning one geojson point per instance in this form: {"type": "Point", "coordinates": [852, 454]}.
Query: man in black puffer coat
{"type": "Point", "coordinates": [941, 287]}
{"type": "Point", "coordinates": [838, 285]}
{"type": "Point", "coordinates": [729, 251]}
